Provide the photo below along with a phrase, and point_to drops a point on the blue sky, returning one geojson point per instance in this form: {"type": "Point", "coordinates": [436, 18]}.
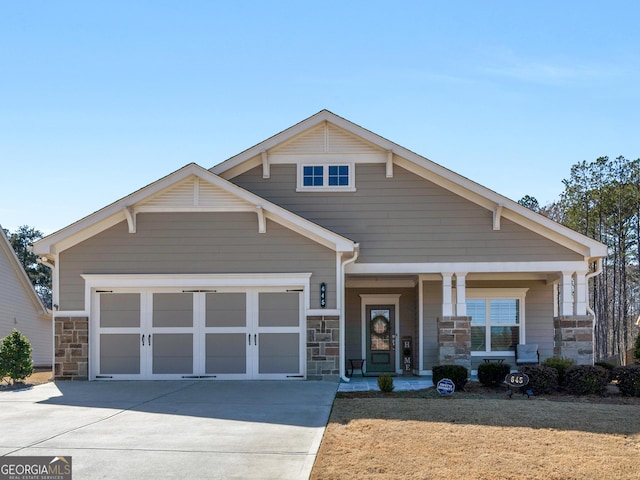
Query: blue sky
{"type": "Point", "coordinates": [98, 99]}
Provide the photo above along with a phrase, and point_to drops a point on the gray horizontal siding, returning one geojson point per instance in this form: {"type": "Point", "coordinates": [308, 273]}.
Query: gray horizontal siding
{"type": "Point", "coordinates": [405, 219]}
{"type": "Point", "coordinates": [182, 243]}
{"type": "Point", "coordinates": [18, 311]}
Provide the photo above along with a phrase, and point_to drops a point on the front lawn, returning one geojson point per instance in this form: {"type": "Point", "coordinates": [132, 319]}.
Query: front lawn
{"type": "Point", "coordinates": [480, 434]}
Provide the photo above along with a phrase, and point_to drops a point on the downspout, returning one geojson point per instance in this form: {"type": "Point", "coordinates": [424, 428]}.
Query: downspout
{"type": "Point", "coordinates": [587, 277]}
{"type": "Point", "coordinates": [46, 262]}
{"type": "Point", "coordinates": [354, 257]}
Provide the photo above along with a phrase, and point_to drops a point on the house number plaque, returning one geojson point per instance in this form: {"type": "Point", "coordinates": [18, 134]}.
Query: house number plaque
{"type": "Point", "coordinates": [323, 295]}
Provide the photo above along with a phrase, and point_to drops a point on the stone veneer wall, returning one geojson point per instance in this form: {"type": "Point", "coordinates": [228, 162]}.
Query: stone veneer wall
{"type": "Point", "coordinates": [323, 348]}
{"type": "Point", "coordinates": [573, 338]}
{"type": "Point", "coordinates": [454, 341]}
{"type": "Point", "coordinates": [71, 347]}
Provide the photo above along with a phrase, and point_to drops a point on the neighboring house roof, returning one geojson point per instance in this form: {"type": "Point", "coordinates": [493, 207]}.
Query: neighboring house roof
{"type": "Point", "coordinates": [501, 206]}
{"type": "Point", "coordinates": [191, 188]}
{"type": "Point", "coordinates": [21, 275]}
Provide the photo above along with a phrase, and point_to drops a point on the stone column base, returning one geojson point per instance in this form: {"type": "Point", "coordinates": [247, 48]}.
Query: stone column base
{"type": "Point", "coordinates": [71, 347]}
{"type": "Point", "coordinates": [323, 348]}
{"type": "Point", "coordinates": [454, 341]}
{"type": "Point", "coordinates": [573, 338]}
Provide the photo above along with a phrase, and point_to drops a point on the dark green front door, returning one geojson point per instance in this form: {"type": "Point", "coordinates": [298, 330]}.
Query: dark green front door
{"type": "Point", "coordinates": [380, 339]}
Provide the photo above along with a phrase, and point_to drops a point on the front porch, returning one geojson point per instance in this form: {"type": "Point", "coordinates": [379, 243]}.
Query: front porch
{"type": "Point", "coordinates": [462, 319]}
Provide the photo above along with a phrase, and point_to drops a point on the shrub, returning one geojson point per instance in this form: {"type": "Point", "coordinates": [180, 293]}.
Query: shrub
{"type": "Point", "coordinates": [15, 357]}
{"type": "Point", "coordinates": [560, 364]}
{"type": "Point", "coordinates": [609, 367]}
{"type": "Point", "coordinates": [385, 383]}
{"type": "Point", "coordinates": [586, 379]}
{"type": "Point", "coordinates": [492, 374]}
{"type": "Point", "coordinates": [636, 350]}
{"type": "Point", "coordinates": [542, 379]}
{"type": "Point", "coordinates": [628, 380]}
{"type": "Point", "coordinates": [458, 374]}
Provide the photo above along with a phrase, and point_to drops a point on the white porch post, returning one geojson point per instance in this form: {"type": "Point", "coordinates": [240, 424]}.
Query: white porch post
{"type": "Point", "coordinates": [566, 298]}
{"type": "Point", "coordinates": [447, 302]}
{"type": "Point", "coordinates": [580, 304]}
{"type": "Point", "coordinates": [461, 295]}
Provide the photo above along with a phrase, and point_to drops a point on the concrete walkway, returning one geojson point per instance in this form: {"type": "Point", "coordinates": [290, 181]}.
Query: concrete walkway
{"type": "Point", "coordinates": [153, 429]}
{"type": "Point", "coordinates": [363, 384]}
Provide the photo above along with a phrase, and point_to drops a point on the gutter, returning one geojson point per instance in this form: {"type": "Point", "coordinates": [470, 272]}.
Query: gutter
{"type": "Point", "coordinates": [45, 261]}
{"type": "Point", "coordinates": [356, 254]}
{"type": "Point", "coordinates": [587, 277]}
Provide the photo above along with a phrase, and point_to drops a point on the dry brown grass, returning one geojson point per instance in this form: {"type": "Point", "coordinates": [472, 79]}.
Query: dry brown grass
{"type": "Point", "coordinates": [39, 376]}
{"type": "Point", "coordinates": [477, 436]}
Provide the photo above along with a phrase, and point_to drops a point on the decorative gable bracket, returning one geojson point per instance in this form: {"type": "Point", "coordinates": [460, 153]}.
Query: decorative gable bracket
{"type": "Point", "coordinates": [389, 170]}
{"type": "Point", "coordinates": [266, 170]}
{"type": "Point", "coordinates": [130, 213]}
{"type": "Point", "coordinates": [262, 223]}
{"type": "Point", "coordinates": [497, 215]}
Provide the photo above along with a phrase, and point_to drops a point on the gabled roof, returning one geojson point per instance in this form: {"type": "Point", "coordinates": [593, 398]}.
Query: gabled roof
{"type": "Point", "coordinates": [191, 188]}
{"type": "Point", "coordinates": [502, 207]}
{"type": "Point", "coordinates": [21, 275]}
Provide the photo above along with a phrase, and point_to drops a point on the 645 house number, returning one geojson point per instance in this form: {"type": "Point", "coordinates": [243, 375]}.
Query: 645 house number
{"type": "Point", "coordinates": [516, 379]}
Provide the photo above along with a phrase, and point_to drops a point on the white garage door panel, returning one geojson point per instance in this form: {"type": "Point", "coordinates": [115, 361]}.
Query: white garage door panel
{"type": "Point", "coordinates": [279, 353]}
{"type": "Point", "coordinates": [172, 353]}
{"type": "Point", "coordinates": [120, 354]}
{"type": "Point", "coordinates": [226, 353]}
{"type": "Point", "coordinates": [256, 333]}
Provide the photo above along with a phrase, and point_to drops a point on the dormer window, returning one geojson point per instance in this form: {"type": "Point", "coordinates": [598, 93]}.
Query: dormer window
{"type": "Point", "coordinates": [313, 178]}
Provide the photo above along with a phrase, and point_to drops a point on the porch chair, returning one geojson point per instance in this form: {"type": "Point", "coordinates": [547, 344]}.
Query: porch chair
{"type": "Point", "coordinates": [527, 354]}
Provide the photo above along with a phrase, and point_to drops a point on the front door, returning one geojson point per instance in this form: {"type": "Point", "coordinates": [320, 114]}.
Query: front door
{"type": "Point", "coordinates": [380, 339]}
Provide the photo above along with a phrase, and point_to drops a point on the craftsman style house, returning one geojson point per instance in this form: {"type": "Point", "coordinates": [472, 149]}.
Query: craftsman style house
{"type": "Point", "coordinates": [323, 245]}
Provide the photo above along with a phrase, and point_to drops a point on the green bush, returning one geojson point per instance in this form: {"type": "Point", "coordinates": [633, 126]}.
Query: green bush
{"type": "Point", "coordinates": [15, 357]}
{"type": "Point", "coordinates": [492, 374]}
{"type": "Point", "coordinates": [586, 379]}
{"type": "Point", "coordinates": [636, 350]}
{"type": "Point", "coordinates": [458, 374]}
{"type": "Point", "coordinates": [628, 378]}
{"type": "Point", "coordinates": [385, 383]}
{"type": "Point", "coordinates": [542, 379]}
{"type": "Point", "coordinates": [609, 367]}
{"type": "Point", "coordinates": [560, 364]}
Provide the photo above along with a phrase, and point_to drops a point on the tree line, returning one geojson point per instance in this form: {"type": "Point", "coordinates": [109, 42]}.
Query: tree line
{"type": "Point", "coordinates": [601, 199]}
{"type": "Point", "coordinates": [39, 275]}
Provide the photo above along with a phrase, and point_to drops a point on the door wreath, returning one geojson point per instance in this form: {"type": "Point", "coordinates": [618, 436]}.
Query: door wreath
{"type": "Point", "coordinates": [380, 326]}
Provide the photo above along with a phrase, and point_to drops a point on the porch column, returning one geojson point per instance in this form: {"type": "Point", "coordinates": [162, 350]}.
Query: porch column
{"type": "Point", "coordinates": [580, 293]}
{"type": "Point", "coordinates": [566, 297]}
{"type": "Point", "coordinates": [447, 302]}
{"type": "Point", "coordinates": [461, 295]}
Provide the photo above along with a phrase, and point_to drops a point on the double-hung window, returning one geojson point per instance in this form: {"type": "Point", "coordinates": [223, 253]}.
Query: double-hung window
{"type": "Point", "coordinates": [497, 319]}
{"type": "Point", "coordinates": [326, 177]}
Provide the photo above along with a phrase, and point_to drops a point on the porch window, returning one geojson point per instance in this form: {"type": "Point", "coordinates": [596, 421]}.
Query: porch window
{"type": "Point", "coordinates": [497, 321]}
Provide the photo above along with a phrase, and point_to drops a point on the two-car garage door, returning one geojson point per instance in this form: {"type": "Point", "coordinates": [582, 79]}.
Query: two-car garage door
{"type": "Point", "coordinates": [247, 333]}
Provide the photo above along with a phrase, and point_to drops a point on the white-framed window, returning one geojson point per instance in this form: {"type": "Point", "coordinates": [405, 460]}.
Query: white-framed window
{"type": "Point", "coordinates": [321, 177]}
{"type": "Point", "coordinates": [497, 319]}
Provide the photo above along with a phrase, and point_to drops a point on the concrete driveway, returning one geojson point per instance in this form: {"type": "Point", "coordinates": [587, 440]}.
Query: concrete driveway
{"type": "Point", "coordinates": [188, 430]}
